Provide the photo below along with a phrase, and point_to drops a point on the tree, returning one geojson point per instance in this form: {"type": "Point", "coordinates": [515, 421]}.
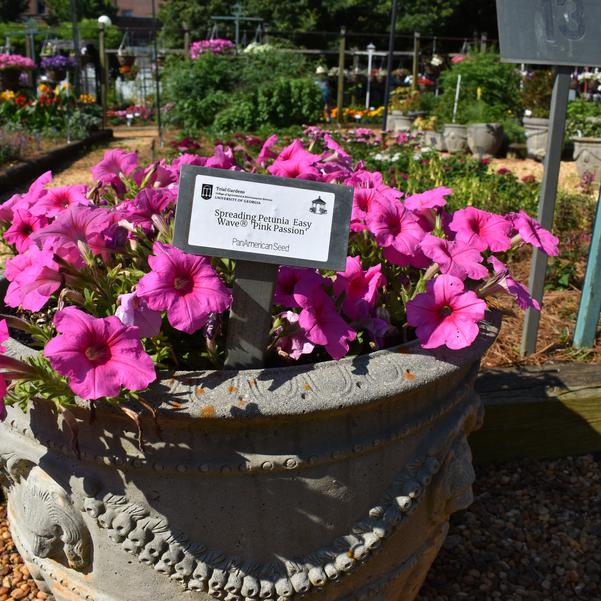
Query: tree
{"type": "Point", "coordinates": [60, 10]}
{"type": "Point", "coordinates": [12, 10]}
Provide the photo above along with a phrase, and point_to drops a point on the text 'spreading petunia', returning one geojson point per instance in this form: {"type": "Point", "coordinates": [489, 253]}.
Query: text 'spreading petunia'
{"type": "Point", "coordinates": [296, 162]}
{"type": "Point", "coordinates": [532, 232]}
{"type": "Point", "coordinates": [77, 224]}
{"type": "Point", "coordinates": [321, 321]}
{"type": "Point", "coordinates": [34, 277]}
{"type": "Point", "coordinates": [98, 356]}
{"type": "Point", "coordinates": [24, 224]}
{"type": "Point", "coordinates": [56, 200]}
{"type": "Point", "coordinates": [507, 285]}
{"type": "Point", "coordinates": [115, 163]}
{"type": "Point", "coordinates": [394, 225]}
{"type": "Point", "coordinates": [446, 314]}
{"type": "Point", "coordinates": [287, 281]}
{"type": "Point", "coordinates": [454, 258]}
{"type": "Point", "coordinates": [481, 230]}
{"type": "Point", "coordinates": [183, 285]}
{"type": "Point", "coordinates": [133, 311]}
{"type": "Point", "coordinates": [294, 343]}
{"type": "Point", "coordinates": [360, 288]}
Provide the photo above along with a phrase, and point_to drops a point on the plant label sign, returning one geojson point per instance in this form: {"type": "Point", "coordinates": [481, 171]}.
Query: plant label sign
{"type": "Point", "coordinates": [550, 32]}
{"type": "Point", "coordinates": [262, 218]}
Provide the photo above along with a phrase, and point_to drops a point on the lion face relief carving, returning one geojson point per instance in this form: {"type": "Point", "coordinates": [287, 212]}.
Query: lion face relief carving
{"type": "Point", "coordinates": [47, 521]}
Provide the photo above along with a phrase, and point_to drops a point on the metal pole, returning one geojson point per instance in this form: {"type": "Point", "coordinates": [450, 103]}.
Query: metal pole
{"type": "Point", "coordinates": [103, 73]}
{"type": "Point", "coordinates": [484, 42]}
{"type": "Point", "coordinates": [76, 49]}
{"type": "Point", "coordinates": [355, 77]}
{"type": "Point", "coordinates": [416, 47]}
{"type": "Point", "coordinates": [390, 59]}
{"type": "Point", "coordinates": [548, 195]}
{"type": "Point", "coordinates": [342, 48]}
{"type": "Point", "coordinates": [157, 76]}
{"type": "Point", "coordinates": [457, 93]}
{"type": "Point", "coordinates": [186, 40]}
{"type": "Point", "coordinates": [370, 57]}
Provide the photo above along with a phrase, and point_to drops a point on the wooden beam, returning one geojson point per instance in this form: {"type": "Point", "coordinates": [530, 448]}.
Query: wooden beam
{"type": "Point", "coordinates": [536, 413]}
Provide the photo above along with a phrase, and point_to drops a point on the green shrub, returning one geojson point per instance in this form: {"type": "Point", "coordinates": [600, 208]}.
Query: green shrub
{"type": "Point", "coordinates": [584, 119]}
{"type": "Point", "coordinates": [537, 91]}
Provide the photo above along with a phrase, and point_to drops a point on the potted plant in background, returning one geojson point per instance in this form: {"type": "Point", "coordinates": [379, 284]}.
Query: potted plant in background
{"type": "Point", "coordinates": [484, 135]}
{"type": "Point", "coordinates": [404, 101]}
{"type": "Point", "coordinates": [11, 67]}
{"type": "Point", "coordinates": [295, 476]}
{"type": "Point", "coordinates": [584, 128]}
{"type": "Point", "coordinates": [536, 98]}
{"type": "Point", "coordinates": [427, 127]}
{"type": "Point", "coordinates": [56, 67]}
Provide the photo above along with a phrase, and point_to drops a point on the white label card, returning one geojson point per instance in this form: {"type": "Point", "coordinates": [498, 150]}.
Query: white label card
{"type": "Point", "coordinates": [262, 218]}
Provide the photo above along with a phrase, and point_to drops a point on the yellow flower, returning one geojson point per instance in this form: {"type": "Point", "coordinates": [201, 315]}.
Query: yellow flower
{"type": "Point", "coordinates": [87, 99]}
{"type": "Point", "coordinates": [7, 95]}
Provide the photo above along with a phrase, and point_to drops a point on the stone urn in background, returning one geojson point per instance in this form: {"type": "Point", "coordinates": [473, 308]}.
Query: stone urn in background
{"type": "Point", "coordinates": [485, 139]}
{"type": "Point", "coordinates": [455, 137]}
{"type": "Point", "coordinates": [587, 154]}
{"type": "Point", "coordinates": [399, 122]}
{"type": "Point", "coordinates": [435, 140]}
{"type": "Point", "coordinates": [328, 481]}
{"type": "Point", "coordinates": [537, 135]}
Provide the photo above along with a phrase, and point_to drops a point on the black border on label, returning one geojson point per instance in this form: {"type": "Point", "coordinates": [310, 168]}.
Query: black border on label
{"type": "Point", "coordinates": [343, 204]}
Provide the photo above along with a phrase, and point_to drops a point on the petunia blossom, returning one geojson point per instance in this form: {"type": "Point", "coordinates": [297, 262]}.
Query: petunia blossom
{"type": "Point", "coordinates": [321, 322]}
{"type": "Point", "coordinates": [115, 163]}
{"type": "Point", "coordinates": [507, 285]}
{"type": "Point", "coordinates": [266, 153]}
{"type": "Point", "coordinates": [360, 288]}
{"type": "Point", "coordinates": [287, 281]}
{"type": "Point", "coordinates": [481, 230]}
{"type": "Point", "coordinates": [296, 162]}
{"type": "Point", "coordinates": [394, 225]}
{"type": "Point", "coordinates": [133, 311]}
{"type": "Point", "coordinates": [24, 201]}
{"type": "Point", "coordinates": [425, 205]}
{"type": "Point", "coordinates": [98, 356]}
{"type": "Point", "coordinates": [294, 343]}
{"type": "Point", "coordinates": [454, 258]}
{"type": "Point", "coordinates": [446, 314]}
{"type": "Point", "coordinates": [24, 224]}
{"type": "Point", "coordinates": [56, 200]}
{"type": "Point", "coordinates": [183, 285]}
{"type": "Point", "coordinates": [532, 232]}
{"type": "Point", "coordinates": [148, 202]}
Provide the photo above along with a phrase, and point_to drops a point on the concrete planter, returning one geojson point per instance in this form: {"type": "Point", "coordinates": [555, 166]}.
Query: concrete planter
{"type": "Point", "coordinates": [455, 138]}
{"type": "Point", "coordinates": [435, 139]}
{"type": "Point", "coordinates": [537, 135]}
{"type": "Point", "coordinates": [484, 139]}
{"type": "Point", "coordinates": [587, 154]}
{"type": "Point", "coordinates": [397, 122]}
{"type": "Point", "coordinates": [334, 481]}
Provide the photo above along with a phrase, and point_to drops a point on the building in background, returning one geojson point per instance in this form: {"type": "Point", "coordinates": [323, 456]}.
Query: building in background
{"type": "Point", "coordinates": [137, 9]}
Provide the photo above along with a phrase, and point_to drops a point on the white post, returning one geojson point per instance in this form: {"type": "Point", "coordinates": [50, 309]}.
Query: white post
{"type": "Point", "coordinates": [370, 56]}
{"type": "Point", "coordinates": [457, 92]}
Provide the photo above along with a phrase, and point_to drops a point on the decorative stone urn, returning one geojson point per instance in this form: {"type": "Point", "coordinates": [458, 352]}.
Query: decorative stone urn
{"type": "Point", "coordinates": [329, 481]}
{"type": "Point", "coordinates": [435, 139]}
{"type": "Point", "coordinates": [537, 135]}
{"type": "Point", "coordinates": [398, 122]}
{"type": "Point", "coordinates": [587, 154]}
{"type": "Point", "coordinates": [455, 137]}
{"type": "Point", "coordinates": [484, 139]}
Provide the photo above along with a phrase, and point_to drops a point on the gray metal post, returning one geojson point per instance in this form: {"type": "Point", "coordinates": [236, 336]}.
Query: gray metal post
{"type": "Point", "coordinates": [370, 58]}
{"type": "Point", "coordinates": [186, 40]}
{"type": "Point", "coordinates": [76, 49]}
{"type": "Point", "coordinates": [341, 52]}
{"type": "Point", "coordinates": [548, 196]}
{"type": "Point", "coordinates": [103, 73]}
{"type": "Point", "coordinates": [416, 48]}
{"type": "Point", "coordinates": [390, 59]}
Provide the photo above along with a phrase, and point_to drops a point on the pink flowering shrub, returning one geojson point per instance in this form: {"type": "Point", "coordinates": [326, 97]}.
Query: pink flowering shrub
{"type": "Point", "coordinates": [16, 62]}
{"type": "Point", "coordinates": [95, 282]}
{"type": "Point", "coordinates": [216, 46]}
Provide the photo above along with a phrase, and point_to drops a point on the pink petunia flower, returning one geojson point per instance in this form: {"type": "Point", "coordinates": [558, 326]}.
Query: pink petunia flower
{"type": "Point", "coordinates": [98, 355]}
{"type": "Point", "coordinates": [25, 201]}
{"type": "Point", "coordinates": [296, 162]}
{"type": "Point", "coordinates": [148, 202]}
{"type": "Point", "coordinates": [4, 335]}
{"type": "Point", "coordinates": [115, 163]}
{"type": "Point", "coordinates": [321, 322]}
{"type": "Point", "coordinates": [418, 259]}
{"type": "Point", "coordinates": [446, 314]}
{"type": "Point", "coordinates": [532, 232]}
{"type": "Point", "coordinates": [360, 288]}
{"type": "Point", "coordinates": [295, 343]}
{"type": "Point", "coordinates": [188, 159]}
{"type": "Point", "coordinates": [394, 225]}
{"type": "Point", "coordinates": [24, 224]}
{"type": "Point", "coordinates": [183, 285]}
{"type": "Point", "coordinates": [481, 230]}
{"type": "Point", "coordinates": [56, 200]}
{"type": "Point", "coordinates": [77, 224]}
{"type": "Point", "coordinates": [431, 199]}
{"type": "Point", "coordinates": [223, 158]}
{"type": "Point", "coordinates": [266, 153]}
{"type": "Point", "coordinates": [454, 258]}
{"type": "Point", "coordinates": [134, 312]}
{"type": "Point", "coordinates": [287, 281]}
{"type": "Point", "coordinates": [508, 285]}
{"type": "Point", "coordinates": [34, 277]}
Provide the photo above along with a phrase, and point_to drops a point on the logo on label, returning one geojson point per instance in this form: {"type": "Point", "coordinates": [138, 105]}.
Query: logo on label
{"type": "Point", "coordinates": [318, 206]}
{"type": "Point", "coordinates": [207, 191]}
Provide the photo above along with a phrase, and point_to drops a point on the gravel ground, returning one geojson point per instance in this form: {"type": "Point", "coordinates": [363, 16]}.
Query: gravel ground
{"type": "Point", "coordinates": [532, 534]}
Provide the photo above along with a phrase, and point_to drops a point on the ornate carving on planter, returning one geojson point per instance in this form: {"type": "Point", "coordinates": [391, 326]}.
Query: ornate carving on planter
{"type": "Point", "coordinates": [587, 154]}
{"type": "Point", "coordinates": [49, 524]}
{"type": "Point", "coordinates": [149, 537]}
